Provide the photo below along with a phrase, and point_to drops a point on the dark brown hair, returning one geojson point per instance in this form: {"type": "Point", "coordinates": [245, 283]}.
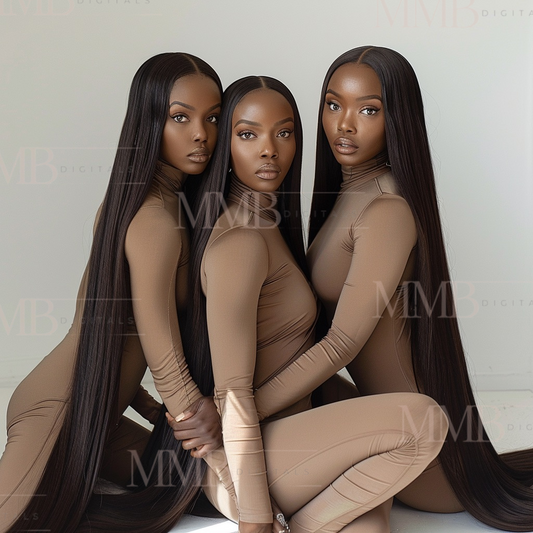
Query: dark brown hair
{"type": "Point", "coordinates": [207, 212]}
{"type": "Point", "coordinates": [494, 489]}
{"type": "Point", "coordinates": [72, 469]}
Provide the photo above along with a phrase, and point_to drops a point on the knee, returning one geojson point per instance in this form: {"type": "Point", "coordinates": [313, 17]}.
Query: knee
{"type": "Point", "coordinates": [423, 417]}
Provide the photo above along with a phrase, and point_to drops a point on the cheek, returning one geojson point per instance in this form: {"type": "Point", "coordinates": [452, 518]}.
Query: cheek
{"type": "Point", "coordinates": [213, 137]}
{"type": "Point", "coordinates": [238, 156]}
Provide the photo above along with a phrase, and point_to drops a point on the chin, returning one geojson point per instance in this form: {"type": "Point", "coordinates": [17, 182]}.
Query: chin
{"type": "Point", "coordinates": [268, 186]}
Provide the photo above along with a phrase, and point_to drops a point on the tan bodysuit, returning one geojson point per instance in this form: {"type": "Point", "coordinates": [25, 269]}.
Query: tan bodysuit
{"type": "Point", "coordinates": [358, 262]}
{"type": "Point", "coordinates": [157, 251]}
{"type": "Point", "coordinates": [326, 466]}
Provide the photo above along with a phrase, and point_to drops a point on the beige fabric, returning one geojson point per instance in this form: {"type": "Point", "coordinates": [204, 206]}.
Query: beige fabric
{"type": "Point", "coordinates": [157, 251]}
{"type": "Point", "coordinates": [358, 262]}
{"type": "Point", "coordinates": [324, 466]}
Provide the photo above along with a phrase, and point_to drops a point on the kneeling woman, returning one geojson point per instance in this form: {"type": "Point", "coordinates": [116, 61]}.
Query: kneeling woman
{"type": "Point", "coordinates": [260, 312]}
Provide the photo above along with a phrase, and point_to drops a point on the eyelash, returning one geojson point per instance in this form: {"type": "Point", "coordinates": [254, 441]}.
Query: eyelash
{"type": "Point", "coordinates": [175, 118]}
{"type": "Point", "coordinates": [373, 109]}
{"type": "Point", "coordinates": [288, 132]}
{"type": "Point", "coordinates": [242, 134]}
{"type": "Point", "coordinates": [212, 119]}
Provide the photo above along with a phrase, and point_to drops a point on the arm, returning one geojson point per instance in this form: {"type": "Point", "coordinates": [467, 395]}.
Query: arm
{"type": "Point", "coordinates": [146, 405]}
{"type": "Point", "coordinates": [384, 236]}
{"type": "Point", "coordinates": [153, 248]}
{"type": "Point", "coordinates": [236, 265]}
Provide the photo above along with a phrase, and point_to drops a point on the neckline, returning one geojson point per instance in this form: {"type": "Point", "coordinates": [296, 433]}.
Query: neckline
{"type": "Point", "coordinates": [170, 178]}
{"type": "Point", "coordinates": [354, 177]}
{"type": "Point", "coordinates": [260, 203]}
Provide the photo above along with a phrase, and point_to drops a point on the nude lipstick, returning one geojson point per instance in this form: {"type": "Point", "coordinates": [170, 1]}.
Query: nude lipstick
{"type": "Point", "coordinates": [268, 171]}
{"type": "Point", "coordinates": [199, 155]}
{"type": "Point", "coordinates": [345, 146]}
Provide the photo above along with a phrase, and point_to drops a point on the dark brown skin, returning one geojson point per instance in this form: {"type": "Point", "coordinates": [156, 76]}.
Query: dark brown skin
{"type": "Point", "coordinates": [188, 141]}
{"type": "Point", "coordinates": [198, 428]}
{"type": "Point", "coordinates": [353, 116]}
{"type": "Point", "coordinates": [262, 141]}
{"type": "Point", "coordinates": [191, 131]}
{"type": "Point", "coordinates": [262, 150]}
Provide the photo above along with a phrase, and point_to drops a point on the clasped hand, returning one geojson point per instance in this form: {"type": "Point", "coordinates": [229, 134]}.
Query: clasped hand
{"type": "Point", "coordinates": [198, 428]}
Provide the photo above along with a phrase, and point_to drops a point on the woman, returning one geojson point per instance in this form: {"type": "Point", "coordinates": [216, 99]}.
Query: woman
{"type": "Point", "coordinates": [377, 261]}
{"type": "Point", "coordinates": [260, 314]}
{"type": "Point", "coordinates": [65, 423]}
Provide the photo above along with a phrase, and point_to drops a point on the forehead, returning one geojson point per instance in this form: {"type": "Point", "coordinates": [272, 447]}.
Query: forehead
{"type": "Point", "coordinates": [194, 87]}
{"type": "Point", "coordinates": [261, 105]}
{"type": "Point", "coordinates": [354, 78]}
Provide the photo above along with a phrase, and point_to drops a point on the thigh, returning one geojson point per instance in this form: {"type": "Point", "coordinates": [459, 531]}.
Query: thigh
{"type": "Point", "coordinates": [431, 491]}
{"type": "Point", "coordinates": [306, 452]}
{"type": "Point", "coordinates": [125, 440]}
{"type": "Point", "coordinates": [30, 439]}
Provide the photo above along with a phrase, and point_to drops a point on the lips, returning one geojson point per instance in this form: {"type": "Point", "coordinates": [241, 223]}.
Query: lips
{"type": "Point", "coordinates": [345, 146]}
{"type": "Point", "coordinates": [199, 155]}
{"type": "Point", "coordinates": [268, 172]}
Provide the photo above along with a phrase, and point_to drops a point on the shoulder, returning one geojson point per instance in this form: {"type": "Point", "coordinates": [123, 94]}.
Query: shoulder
{"type": "Point", "coordinates": [238, 241]}
{"type": "Point", "coordinates": [389, 205]}
{"type": "Point", "coordinates": [153, 229]}
{"type": "Point", "coordinates": [389, 214]}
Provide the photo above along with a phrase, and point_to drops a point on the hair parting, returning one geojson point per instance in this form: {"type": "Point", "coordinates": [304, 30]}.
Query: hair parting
{"type": "Point", "coordinates": [496, 489]}
{"type": "Point", "coordinates": [71, 472]}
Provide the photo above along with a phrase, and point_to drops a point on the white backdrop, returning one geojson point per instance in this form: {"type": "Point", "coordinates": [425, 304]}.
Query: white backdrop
{"type": "Point", "coordinates": [66, 67]}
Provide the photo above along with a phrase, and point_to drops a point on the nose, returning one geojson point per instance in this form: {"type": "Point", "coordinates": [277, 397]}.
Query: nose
{"type": "Point", "coordinates": [346, 123]}
{"type": "Point", "coordinates": [269, 149]}
{"type": "Point", "coordinates": [200, 133]}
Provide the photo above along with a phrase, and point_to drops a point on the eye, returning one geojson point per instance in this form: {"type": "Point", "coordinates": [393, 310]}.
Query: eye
{"type": "Point", "coordinates": [180, 118]}
{"type": "Point", "coordinates": [285, 134]}
{"type": "Point", "coordinates": [246, 135]}
{"type": "Point", "coordinates": [370, 111]}
{"type": "Point", "coordinates": [213, 119]}
{"type": "Point", "coordinates": [333, 106]}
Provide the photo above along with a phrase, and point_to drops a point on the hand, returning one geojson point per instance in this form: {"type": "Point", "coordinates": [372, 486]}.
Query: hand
{"type": "Point", "coordinates": [277, 524]}
{"type": "Point", "coordinates": [198, 428]}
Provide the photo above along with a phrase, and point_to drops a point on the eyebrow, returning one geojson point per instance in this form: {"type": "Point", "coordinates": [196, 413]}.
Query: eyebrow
{"type": "Point", "coordinates": [367, 97]}
{"type": "Point", "coordinates": [187, 106]}
{"type": "Point", "coordinates": [251, 123]}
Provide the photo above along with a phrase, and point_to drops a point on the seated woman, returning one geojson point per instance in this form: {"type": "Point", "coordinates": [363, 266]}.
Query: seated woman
{"type": "Point", "coordinates": [65, 420]}
{"type": "Point", "coordinates": [327, 466]}
{"type": "Point", "coordinates": [378, 263]}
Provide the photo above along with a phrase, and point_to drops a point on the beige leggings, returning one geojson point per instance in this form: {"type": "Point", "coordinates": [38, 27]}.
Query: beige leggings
{"type": "Point", "coordinates": [329, 465]}
{"type": "Point", "coordinates": [34, 418]}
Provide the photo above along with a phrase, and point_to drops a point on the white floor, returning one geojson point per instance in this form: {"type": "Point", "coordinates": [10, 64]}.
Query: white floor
{"type": "Point", "coordinates": [508, 417]}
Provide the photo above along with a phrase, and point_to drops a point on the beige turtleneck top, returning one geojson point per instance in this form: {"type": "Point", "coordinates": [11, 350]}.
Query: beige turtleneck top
{"type": "Point", "coordinates": [260, 314]}
{"type": "Point", "coordinates": [157, 250]}
{"type": "Point", "coordinates": [358, 262]}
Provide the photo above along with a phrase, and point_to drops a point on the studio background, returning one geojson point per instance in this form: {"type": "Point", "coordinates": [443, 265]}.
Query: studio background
{"type": "Point", "coordinates": [66, 67]}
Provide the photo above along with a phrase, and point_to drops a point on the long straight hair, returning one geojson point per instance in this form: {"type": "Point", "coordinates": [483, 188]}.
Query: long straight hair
{"type": "Point", "coordinates": [494, 489]}
{"type": "Point", "coordinates": [214, 188]}
{"type": "Point", "coordinates": [72, 469]}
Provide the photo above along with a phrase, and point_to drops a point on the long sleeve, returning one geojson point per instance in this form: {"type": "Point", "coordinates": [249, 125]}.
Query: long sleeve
{"type": "Point", "coordinates": [146, 405]}
{"type": "Point", "coordinates": [153, 247]}
{"type": "Point", "coordinates": [383, 236]}
{"type": "Point", "coordinates": [236, 266]}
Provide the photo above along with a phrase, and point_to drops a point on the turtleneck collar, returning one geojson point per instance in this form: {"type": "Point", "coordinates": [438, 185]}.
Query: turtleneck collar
{"type": "Point", "coordinates": [260, 203]}
{"type": "Point", "coordinates": [353, 177]}
{"type": "Point", "coordinates": [168, 177]}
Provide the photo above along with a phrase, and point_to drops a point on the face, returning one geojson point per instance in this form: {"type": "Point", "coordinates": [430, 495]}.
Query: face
{"type": "Point", "coordinates": [262, 140]}
{"type": "Point", "coordinates": [353, 117]}
{"type": "Point", "coordinates": [191, 130]}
